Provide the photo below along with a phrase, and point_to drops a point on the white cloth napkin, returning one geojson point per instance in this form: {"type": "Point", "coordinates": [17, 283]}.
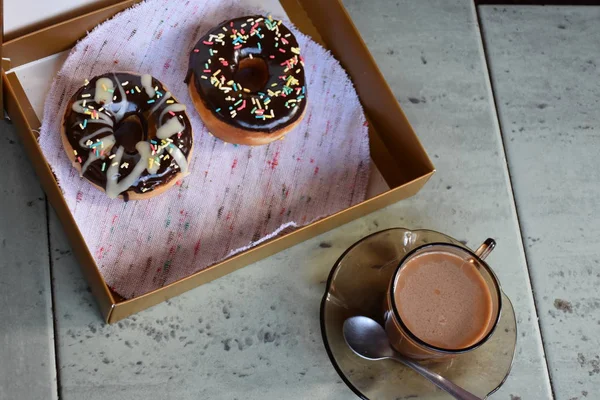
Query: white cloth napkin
{"type": "Point", "coordinates": [235, 196]}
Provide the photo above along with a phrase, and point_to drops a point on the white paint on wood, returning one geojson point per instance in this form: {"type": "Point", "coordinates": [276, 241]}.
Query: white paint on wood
{"type": "Point", "coordinates": [27, 363]}
{"type": "Point", "coordinates": [546, 71]}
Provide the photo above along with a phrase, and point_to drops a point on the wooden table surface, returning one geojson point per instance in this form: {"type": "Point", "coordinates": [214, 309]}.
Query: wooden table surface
{"type": "Point", "coordinates": [506, 100]}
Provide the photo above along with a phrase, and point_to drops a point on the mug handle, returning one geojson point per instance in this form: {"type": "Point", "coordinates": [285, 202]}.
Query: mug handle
{"type": "Point", "coordinates": [486, 248]}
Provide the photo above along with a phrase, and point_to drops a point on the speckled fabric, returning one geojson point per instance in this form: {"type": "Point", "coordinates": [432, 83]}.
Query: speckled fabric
{"type": "Point", "coordinates": [235, 196]}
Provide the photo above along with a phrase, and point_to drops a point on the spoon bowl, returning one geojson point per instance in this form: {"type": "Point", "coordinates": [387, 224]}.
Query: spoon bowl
{"type": "Point", "coordinates": [368, 340]}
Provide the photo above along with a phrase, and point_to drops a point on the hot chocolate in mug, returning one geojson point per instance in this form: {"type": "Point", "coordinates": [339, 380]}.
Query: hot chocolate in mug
{"type": "Point", "coordinates": [443, 300]}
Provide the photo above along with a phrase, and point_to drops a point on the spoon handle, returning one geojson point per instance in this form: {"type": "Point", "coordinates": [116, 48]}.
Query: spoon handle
{"type": "Point", "coordinates": [438, 380]}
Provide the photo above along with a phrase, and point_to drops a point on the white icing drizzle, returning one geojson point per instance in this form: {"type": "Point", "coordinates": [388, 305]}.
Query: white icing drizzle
{"type": "Point", "coordinates": [102, 118]}
{"type": "Point", "coordinates": [161, 102]}
{"type": "Point", "coordinates": [91, 158]}
{"type": "Point", "coordinates": [176, 107]}
{"type": "Point", "coordinates": [124, 104]}
{"type": "Point", "coordinates": [147, 84]}
{"type": "Point", "coordinates": [169, 128]}
{"type": "Point", "coordinates": [104, 89]}
{"type": "Point", "coordinates": [113, 187]}
{"type": "Point", "coordinates": [154, 168]}
{"type": "Point", "coordinates": [93, 135]}
{"type": "Point", "coordinates": [107, 144]}
{"type": "Point", "coordinates": [179, 158]}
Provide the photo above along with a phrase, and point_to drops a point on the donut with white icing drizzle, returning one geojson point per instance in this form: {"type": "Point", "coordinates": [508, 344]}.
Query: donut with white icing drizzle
{"type": "Point", "coordinates": [127, 135]}
{"type": "Point", "coordinates": [246, 79]}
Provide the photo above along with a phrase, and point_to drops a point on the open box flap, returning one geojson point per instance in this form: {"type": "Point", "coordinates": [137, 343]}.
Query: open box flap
{"type": "Point", "coordinates": [26, 16]}
{"type": "Point", "coordinates": [39, 16]}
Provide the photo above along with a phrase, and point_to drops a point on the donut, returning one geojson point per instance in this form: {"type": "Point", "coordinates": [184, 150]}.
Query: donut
{"type": "Point", "coordinates": [127, 135]}
{"type": "Point", "coordinates": [246, 79]}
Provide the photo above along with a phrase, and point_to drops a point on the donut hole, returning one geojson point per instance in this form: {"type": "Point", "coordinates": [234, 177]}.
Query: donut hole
{"type": "Point", "coordinates": [252, 74]}
{"type": "Point", "coordinates": [131, 130]}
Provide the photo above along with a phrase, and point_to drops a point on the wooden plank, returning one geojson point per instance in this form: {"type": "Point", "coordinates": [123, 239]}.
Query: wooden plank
{"type": "Point", "coordinates": [545, 67]}
{"type": "Point", "coordinates": [2, 66]}
{"type": "Point", "coordinates": [435, 65]}
{"type": "Point", "coordinates": [502, 3]}
{"type": "Point", "coordinates": [28, 369]}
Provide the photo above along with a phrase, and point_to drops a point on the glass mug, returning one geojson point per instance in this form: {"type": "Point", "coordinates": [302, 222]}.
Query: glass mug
{"type": "Point", "coordinates": [409, 344]}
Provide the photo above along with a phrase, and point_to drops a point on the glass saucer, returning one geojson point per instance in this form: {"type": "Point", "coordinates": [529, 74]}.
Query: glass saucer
{"type": "Point", "coordinates": [357, 286]}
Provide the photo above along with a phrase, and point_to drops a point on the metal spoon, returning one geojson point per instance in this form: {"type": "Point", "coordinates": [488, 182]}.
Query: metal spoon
{"type": "Point", "coordinates": [368, 339]}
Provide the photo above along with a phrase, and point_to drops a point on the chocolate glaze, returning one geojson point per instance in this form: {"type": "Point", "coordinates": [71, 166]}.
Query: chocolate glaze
{"type": "Point", "coordinates": [256, 37]}
{"type": "Point", "coordinates": [137, 124]}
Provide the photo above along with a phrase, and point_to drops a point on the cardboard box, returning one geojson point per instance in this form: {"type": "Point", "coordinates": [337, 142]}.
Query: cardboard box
{"type": "Point", "coordinates": [395, 150]}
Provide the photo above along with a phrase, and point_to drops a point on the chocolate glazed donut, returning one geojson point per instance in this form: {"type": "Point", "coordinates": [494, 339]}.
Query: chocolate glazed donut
{"type": "Point", "coordinates": [127, 135]}
{"type": "Point", "coordinates": [246, 79]}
